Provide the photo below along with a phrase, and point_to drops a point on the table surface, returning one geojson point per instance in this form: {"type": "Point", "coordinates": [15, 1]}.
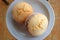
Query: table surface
{"type": "Point", "coordinates": [54, 35]}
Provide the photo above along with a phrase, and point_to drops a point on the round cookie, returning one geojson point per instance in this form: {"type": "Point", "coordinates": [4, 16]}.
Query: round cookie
{"type": "Point", "coordinates": [37, 24]}
{"type": "Point", "coordinates": [21, 11]}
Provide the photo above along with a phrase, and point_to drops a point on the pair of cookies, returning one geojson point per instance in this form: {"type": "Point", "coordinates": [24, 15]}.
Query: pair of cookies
{"type": "Point", "coordinates": [36, 23]}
